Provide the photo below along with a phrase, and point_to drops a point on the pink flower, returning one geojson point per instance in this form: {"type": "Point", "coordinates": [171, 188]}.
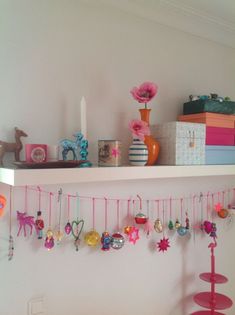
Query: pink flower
{"type": "Point", "coordinates": [139, 129]}
{"type": "Point", "coordinates": [145, 92]}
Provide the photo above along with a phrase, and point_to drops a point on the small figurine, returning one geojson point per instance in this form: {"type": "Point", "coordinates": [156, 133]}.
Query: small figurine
{"type": "Point", "coordinates": [69, 145]}
{"type": "Point", "coordinates": [39, 223]}
{"type": "Point", "coordinates": [105, 241]}
{"type": "Point", "coordinates": [12, 147]}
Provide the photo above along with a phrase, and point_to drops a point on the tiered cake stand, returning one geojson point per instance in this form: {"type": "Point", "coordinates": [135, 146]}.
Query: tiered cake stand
{"type": "Point", "coordinates": [211, 300]}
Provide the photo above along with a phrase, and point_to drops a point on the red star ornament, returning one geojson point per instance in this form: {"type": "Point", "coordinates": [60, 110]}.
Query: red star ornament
{"type": "Point", "coordinates": [163, 245]}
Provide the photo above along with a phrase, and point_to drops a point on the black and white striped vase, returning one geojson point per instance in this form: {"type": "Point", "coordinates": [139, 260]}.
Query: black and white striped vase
{"type": "Point", "coordinates": [138, 153]}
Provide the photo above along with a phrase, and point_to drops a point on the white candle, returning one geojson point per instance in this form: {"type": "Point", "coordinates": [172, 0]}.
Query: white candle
{"type": "Point", "coordinates": [83, 118]}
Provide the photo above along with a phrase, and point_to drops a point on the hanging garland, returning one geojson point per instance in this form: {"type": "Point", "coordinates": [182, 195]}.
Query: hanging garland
{"type": "Point", "coordinates": [211, 205]}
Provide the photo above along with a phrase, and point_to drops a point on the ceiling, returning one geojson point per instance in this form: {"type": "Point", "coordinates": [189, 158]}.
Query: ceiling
{"type": "Point", "coordinates": [210, 19]}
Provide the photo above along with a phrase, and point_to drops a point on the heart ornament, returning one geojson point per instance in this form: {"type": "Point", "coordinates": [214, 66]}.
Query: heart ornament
{"type": "Point", "coordinates": [77, 227]}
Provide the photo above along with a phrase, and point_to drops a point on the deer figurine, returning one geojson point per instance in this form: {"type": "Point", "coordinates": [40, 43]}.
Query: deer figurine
{"type": "Point", "coordinates": [12, 147]}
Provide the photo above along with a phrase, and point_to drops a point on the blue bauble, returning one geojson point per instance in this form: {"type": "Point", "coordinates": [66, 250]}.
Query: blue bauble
{"type": "Point", "coordinates": [182, 231]}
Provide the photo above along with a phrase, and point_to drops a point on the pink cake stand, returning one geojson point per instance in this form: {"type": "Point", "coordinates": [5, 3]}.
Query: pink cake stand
{"type": "Point", "coordinates": [212, 300]}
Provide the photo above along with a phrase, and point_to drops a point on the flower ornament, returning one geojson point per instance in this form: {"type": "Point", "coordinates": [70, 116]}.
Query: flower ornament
{"type": "Point", "coordinates": [145, 92]}
{"type": "Point", "coordinates": [139, 129]}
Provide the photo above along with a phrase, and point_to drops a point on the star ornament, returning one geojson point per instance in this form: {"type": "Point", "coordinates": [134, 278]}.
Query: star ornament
{"type": "Point", "coordinates": [163, 245]}
{"type": "Point", "coordinates": [115, 152]}
{"type": "Point", "coordinates": [134, 235]}
{"type": "Point", "coordinates": [218, 207]}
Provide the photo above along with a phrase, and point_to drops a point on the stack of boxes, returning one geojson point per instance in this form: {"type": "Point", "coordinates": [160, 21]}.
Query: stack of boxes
{"type": "Point", "coordinates": [219, 119]}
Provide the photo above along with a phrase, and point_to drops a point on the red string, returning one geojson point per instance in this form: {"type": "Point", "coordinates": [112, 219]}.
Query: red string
{"type": "Point", "coordinates": [163, 219]}
{"type": "Point", "coordinates": [106, 213]}
{"type": "Point", "coordinates": [93, 213]}
{"type": "Point", "coordinates": [218, 196]}
{"type": "Point", "coordinates": [118, 213]}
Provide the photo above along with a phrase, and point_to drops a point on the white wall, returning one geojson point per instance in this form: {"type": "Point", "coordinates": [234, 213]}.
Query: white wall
{"type": "Point", "coordinates": [52, 53]}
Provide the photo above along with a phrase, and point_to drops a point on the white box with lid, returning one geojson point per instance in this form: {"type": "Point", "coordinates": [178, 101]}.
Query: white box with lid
{"type": "Point", "coordinates": [181, 143]}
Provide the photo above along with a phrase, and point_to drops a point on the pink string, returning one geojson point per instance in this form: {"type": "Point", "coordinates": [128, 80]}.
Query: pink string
{"type": "Point", "coordinates": [115, 199]}
{"type": "Point", "coordinates": [170, 207]}
{"type": "Point", "coordinates": [39, 198]}
{"type": "Point", "coordinates": [218, 196]}
{"type": "Point", "coordinates": [194, 211]}
{"type": "Point", "coordinates": [128, 207]}
{"type": "Point", "coordinates": [158, 208]}
{"type": "Point", "coordinates": [140, 202]}
{"type": "Point", "coordinates": [26, 199]}
{"type": "Point", "coordinates": [223, 193]}
{"type": "Point", "coordinates": [118, 213]}
{"type": "Point", "coordinates": [93, 213]}
{"type": "Point", "coordinates": [106, 213]}
{"type": "Point", "coordinates": [10, 214]}
{"type": "Point", "coordinates": [50, 203]}
{"type": "Point", "coordinates": [68, 206]}
{"type": "Point", "coordinates": [163, 218]}
{"type": "Point", "coordinates": [207, 206]}
{"type": "Point", "coordinates": [181, 209]}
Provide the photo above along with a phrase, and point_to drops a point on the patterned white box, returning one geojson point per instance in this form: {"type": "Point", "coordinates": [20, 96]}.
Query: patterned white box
{"type": "Point", "coordinates": [181, 143]}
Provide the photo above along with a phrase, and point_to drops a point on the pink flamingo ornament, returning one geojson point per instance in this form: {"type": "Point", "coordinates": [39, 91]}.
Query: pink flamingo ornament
{"type": "Point", "coordinates": [24, 220]}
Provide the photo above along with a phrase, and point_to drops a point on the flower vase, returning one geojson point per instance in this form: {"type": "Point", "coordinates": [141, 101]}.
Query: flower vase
{"type": "Point", "coordinates": [138, 153]}
{"type": "Point", "coordinates": [152, 144]}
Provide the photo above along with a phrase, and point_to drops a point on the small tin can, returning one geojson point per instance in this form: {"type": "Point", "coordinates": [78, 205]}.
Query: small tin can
{"type": "Point", "coordinates": [109, 152]}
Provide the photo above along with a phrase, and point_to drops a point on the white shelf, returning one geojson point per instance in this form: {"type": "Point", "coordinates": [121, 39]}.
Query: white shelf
{"type": "Point", "coordinates": [21, 177]}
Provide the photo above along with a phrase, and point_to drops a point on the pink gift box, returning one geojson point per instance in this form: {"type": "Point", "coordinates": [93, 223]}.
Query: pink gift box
{"type": "Point", "coordinates": [36, 153]}
{"type": "Point", "coordinates": [220, 136]}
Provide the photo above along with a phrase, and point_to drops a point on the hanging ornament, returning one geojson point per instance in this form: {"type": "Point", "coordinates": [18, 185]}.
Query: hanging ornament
{"type": "Point", "coordinates": [11, 241]}
{"type": "Point", "coordinates": [207, 225]}
{"type": "Point", "coordinates": [49, 241]}
{"type": "Point", "coordinates": [127, 229]}
{"type": "Point", "coordinates": [163, 245]}
{"type": "Point", "coordinates": [217, 207]}
{"type": "Point", "coordinates": [187, 224]}
{"type": "Point", "coordinates": [170, 223]}
{"type": "Point", "coordinates": [3, 202]}
{"type": "Point", "coordinates": [68, 226]}
{"type": "Point", "coordinates": [25, 220]}
{"type": "Point", "coordinates": [77, 227]}
{"type": "Point", "coordinates": [58, 233]}
{"type": "Point", "coordinates": [223, 213]}
{"type": "Point", "coordinates": [140, 218]}
{"type": "Point", "coordinates": [39, 223]}
{"type": "Point", "coordinates": [105, 241]}
{"type": "Point", "coordinates": [117, 239]}
{"type": "Point", "coordinates": [158, 226]}
{"type": "Point", "coordinates": [182, 230]}
{"type": "Point", "coordinates": [148, 227]}
{"type": "Point", "coordinates": [92, 238]}
{"type": "Point", "coordinates": [177, 224]}
{"type": "Point", "coordinates": [105, 238]}
{"type": "Point", "coordinates": [134, 235]}
{"type": "Point", "coordinates": [213, 231]}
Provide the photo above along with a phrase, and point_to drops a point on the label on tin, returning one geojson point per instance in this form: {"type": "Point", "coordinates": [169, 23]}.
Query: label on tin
{"type": "Point", "coordinates": [109, 152]}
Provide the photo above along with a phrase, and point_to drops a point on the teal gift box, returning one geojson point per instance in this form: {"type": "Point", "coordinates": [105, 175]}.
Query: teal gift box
{"type": "Point", "coordinates": [211, 106]}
